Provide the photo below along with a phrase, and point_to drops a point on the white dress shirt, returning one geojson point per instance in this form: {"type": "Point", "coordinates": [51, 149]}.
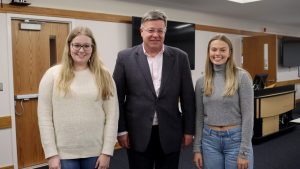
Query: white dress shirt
{"type": "Point", "coordinates": [155, 65]}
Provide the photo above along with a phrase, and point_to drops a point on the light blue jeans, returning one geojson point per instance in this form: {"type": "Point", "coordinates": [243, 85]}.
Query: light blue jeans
{"type": "Point", "coordinates": [221, 148]}
{"type": "Point", "coordinates": [80, 163]}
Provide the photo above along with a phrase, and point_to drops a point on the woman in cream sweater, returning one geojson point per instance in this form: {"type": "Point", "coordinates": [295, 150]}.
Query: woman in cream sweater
{"type": "Point", "coordinates": [78, 107]}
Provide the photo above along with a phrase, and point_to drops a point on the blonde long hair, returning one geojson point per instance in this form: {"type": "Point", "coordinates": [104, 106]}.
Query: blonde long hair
{"type": "Point", "coordinates": [231, 78]}
{"type": "Point", "coordinates": [103, 78]}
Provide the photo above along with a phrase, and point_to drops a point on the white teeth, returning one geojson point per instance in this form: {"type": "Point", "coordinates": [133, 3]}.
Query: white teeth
{"type": "Point", "coordinates": [217, 59]}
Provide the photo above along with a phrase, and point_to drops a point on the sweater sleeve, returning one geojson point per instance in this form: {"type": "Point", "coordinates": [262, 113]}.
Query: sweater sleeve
{"type": "Point", "coordinates": [247, 111]}
{"type": "Point", "coordinates": [199, 115]}
{"type": "Point", "coordinates": [45, 118]}
{"type": "Point", "coordinates": [111, 110]}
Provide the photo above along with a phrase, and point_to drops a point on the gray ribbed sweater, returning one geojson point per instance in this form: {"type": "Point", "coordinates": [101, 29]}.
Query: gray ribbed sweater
{"type": "Point", "coordinates": [222, 110]}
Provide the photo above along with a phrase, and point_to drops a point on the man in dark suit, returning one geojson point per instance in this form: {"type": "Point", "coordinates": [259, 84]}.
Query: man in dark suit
{"type": "Point", "coordinates": [152, 79]}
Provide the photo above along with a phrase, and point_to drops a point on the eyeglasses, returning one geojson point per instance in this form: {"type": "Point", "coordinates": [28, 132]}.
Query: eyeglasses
{"type": "Point", "coordinates": [85, 47]}
{"type": "Point", "coordinates": [158, 31]}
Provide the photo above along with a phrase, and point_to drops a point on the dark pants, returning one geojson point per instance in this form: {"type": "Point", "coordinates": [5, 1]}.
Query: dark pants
{"type": "Point", "coordinates": [153, 156]}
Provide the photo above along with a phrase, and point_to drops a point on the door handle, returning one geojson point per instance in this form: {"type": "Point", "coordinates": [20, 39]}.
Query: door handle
{"type": "Point", "coordinates": [26, 96]}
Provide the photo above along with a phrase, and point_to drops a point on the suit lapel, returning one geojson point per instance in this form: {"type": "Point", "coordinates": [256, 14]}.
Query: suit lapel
{"type": "Point", "coordinates": [142, 61]}
{"type": "Point", "coordinates": [168, 64]}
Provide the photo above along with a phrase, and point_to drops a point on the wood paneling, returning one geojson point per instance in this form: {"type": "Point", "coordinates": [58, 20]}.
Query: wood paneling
{"type": "Point", "coordinates": [276, 105]}
{"type": "Point", "coordinates": [270, 125]}
{"type": "Point", "coordinates": [5, 122]}
{"type": "Point", "coordinates": [30, 151]}
{"type": "Point", "coordinates": [289, 82]}
{"type": "Point", "coordinates": [253, 56]}
{"type": "Point", "coordinates": [28, 69]}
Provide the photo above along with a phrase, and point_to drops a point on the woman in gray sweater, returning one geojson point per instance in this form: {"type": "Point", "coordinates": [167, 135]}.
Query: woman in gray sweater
{"type": "Point", "coordinates": [224, 111]}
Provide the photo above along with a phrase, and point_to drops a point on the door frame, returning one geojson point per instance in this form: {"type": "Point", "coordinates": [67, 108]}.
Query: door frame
{"type": "Point", "coordinates": [10, 17]}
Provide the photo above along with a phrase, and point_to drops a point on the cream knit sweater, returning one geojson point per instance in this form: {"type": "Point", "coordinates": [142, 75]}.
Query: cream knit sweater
{"type": "Point", "coordinates": [77, 125]}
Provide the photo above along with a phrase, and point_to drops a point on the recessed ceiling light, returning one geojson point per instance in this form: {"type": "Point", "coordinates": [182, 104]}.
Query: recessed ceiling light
{"type": "Point", "coordinates": [243, 1]}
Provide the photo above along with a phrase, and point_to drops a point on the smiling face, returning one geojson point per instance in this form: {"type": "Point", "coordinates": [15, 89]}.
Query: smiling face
{"type": "Point", "coordinates": [219, 52]}
{"type": "Point", "coordinates": [81, 49]}
{"type": "Point", "coordinates": [153, 34]}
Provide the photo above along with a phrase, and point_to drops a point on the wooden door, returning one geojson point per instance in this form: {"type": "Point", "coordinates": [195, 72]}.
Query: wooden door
{"type": "Point", "coordinates": [253, 56]}
{"type": "Point", "coordinates": [34, 51]}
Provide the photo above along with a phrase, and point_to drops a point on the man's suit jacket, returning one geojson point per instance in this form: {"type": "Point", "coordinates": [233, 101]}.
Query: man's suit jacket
{"type": "Point", "coordinates": [138, 101]}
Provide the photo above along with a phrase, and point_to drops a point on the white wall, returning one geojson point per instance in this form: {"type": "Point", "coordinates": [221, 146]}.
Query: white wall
{"type": "Point", "coordinates": [202, 39]}
{"type": "Point", "coordinates": [285, 73]}
{"type": "Point", "coordinates": [112, 37]}
{"type": "Point", "coordinates": [6, 141]}
{"type": "Point", "coordinates": [289, 73]}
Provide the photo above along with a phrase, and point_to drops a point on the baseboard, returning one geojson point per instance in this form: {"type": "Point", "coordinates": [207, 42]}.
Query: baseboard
{"type": "Point", "coordinates": [7, 167]}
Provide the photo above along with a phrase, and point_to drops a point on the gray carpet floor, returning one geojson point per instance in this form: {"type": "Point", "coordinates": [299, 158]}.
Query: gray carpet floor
{"type": "Point", "coordinates": [279, 151]}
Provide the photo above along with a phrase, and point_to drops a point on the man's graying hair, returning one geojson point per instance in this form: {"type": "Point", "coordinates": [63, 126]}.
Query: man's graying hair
{"type": "Point", "coordinates": [154, 15]}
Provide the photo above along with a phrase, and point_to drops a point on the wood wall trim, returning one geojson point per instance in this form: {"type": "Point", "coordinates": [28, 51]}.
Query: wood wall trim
{"type": "Point", "coordinates": [7, 167]}
{"type": "Point", "coordinates": [216, 29]}
{"type": "Point", "coordinates": [228, 30]}
{"type": "Point", "coordinates": [41, 11]}
{"type": "Point", "coordinates": [5, 122]}
{"type": "Point", "coordinates": [64, 13]}
{"type": "Point", "coordinates": [288, 82]}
